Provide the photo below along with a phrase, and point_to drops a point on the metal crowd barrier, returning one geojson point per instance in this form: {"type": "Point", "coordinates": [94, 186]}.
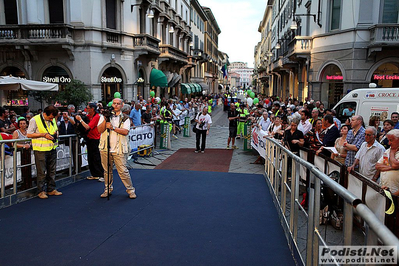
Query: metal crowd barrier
{"type": "Point", "coordinates": [281, 185]}
{"type": "Point", "coordinates": [10, 194]}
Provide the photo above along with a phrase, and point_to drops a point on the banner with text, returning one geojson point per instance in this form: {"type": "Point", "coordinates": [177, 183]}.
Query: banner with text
{"type": "Point", "coordinates": [258, 141]}
{"type": "Point", "coordinates": [143, 135]}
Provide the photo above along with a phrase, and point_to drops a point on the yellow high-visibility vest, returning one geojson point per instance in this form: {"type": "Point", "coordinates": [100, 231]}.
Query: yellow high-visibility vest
{"type": "Point", "coordinates": [43, 144]}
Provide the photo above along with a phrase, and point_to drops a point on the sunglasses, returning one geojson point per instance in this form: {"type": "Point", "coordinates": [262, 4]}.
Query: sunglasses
{"type": "Point", "coordinates": [369, 135]}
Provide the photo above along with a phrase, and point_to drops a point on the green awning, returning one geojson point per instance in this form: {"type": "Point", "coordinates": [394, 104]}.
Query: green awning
{"type": "Point", "coordinates": [198, 87]}
{"type": "Point", "coordinates": [158, 78]}
{"type": "Point", "coordinates": [193, 88]}
{"type": "Point", "coordinates": [185, 88]}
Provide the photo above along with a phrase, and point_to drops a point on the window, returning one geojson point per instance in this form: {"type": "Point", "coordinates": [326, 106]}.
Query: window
{"type": "Point", "coordinates": [345, 110]}
{"type": "Point", "coordinates": [11, 11]}
{"type": "Point", "coordinates": [110, 7]}
{"type": "Point", "coordinates": [390, 11]}
{"type": "Point", "coordinates": [335, 14]}
{"type": "Point", "coordinates": [56, 11]}
{"type": "Point", "coordinates": [196, 42]}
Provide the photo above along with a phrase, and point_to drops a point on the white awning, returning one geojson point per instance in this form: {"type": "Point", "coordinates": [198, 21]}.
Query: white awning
{"type": "Point", "coordinates": [14, 83]}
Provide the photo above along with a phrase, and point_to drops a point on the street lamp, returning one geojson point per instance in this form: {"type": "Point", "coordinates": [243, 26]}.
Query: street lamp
{"type": "Point", "coordinates": [150, 14]}
{"type": "Point", "coordinates": [171, 29]}
{"type": "Point", "coordinates": [278, 46]}
{"type": "Point", "coordinates": [294, 25]}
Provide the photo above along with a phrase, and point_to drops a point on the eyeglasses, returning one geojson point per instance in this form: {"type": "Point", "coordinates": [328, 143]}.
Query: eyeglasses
{"type": "Point", "coordinates": [369, 135]}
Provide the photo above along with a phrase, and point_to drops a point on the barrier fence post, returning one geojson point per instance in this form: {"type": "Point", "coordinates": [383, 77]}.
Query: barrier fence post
{"type": "Point", "coordinates": [348, 223]}
{"type": "Point", "coordinates": [316, 220]}
{"type": "Point", "coordinates": [14, 174]}
{"type": "Point", "coordinates": [164, 141]}
{"type": "Point", "coordinates": [186, 127]}
{"type": "Point", "coordinates": [311, 213]}
{"type": "Point", "coordinates": [3, 170]}
{"type": "Point", "coordinates": [247, 136]}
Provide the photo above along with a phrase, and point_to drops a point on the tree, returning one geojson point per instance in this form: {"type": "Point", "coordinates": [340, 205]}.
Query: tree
{"type": "Point", "coordinates": [75, 93]}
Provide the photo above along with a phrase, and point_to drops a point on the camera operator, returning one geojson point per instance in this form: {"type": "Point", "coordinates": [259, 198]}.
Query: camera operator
{"type": "Point", "coordinates": [118, 128]}
{"type": "Point", "coordinates": [43, 131]}
{"type": "Point", "coordinates": [92, 141]}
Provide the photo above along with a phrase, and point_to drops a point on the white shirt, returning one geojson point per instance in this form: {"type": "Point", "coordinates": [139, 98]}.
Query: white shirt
{"type": "Point", "coordinates": [264, 124]}
{"type": "Point", "coordinates": [305, 127]}
{"type": "Point", "coordinates": [204, 118]}
{"type": "Point", "coordinates": [113, 137]}
{"type": "Point", "coordinates": [390, 178]}
{"type": "Point", "coordinates": [368, 157]}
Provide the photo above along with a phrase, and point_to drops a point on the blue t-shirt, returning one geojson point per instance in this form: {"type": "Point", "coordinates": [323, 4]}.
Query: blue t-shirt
{"type": "Point", "coordinates": [135, 115]}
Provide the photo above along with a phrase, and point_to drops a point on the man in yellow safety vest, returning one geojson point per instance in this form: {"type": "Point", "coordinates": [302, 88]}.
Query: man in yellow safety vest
{"type": "Point", "coordinates": [43, 131]}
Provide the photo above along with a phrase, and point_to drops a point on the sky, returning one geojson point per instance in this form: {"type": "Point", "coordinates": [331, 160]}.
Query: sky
{"type": "Point", "coordinates": [238, 21]}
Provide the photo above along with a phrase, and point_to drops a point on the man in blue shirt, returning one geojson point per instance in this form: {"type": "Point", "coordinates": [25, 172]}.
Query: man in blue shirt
{"type": "Point", "coordinates": [135, 115]}
{"type": "Point", "coordinates": [395, 118]}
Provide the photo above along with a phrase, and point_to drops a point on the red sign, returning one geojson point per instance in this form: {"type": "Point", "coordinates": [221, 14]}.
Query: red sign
{"type": "Point", "coordinates": [333, 77]}
{"type": "Point", "coordinates": [386, 77]}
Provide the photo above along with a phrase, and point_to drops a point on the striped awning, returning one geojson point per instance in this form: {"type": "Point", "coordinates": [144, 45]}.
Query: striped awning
{"type": "Point", "coordinates": [185, 88]}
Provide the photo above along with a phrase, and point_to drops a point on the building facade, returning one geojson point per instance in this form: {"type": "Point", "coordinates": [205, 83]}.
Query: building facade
{"type": "Point", "coordinates": [324, 49]}
{"type": "Point", "coordinates": [244, 72]}
{"type": "Point", "coordinates": [110, 45]}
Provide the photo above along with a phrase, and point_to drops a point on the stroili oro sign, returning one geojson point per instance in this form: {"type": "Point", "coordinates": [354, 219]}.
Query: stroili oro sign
{"type": "Point", "coordinates": [57, 79]}
{"type": "Point", "coordinates": [111, 80]}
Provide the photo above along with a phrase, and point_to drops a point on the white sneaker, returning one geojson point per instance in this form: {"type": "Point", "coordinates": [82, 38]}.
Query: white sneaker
{"type": "Point", "coordinates": [101, 179]}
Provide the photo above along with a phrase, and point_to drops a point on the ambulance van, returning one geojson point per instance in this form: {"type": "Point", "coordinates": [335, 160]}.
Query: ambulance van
{"type": "Point", "coordinates": [368, 102]}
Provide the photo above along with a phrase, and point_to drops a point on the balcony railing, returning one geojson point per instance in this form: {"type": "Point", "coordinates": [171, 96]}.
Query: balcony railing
{"type": "Point", "coordinates": [146, 42]}
{"type": "Point", "coordinates": [387, 34]}
{"type": "Point", "coordinates": [41, 32]}
{"type": "Point", "coordinates": [300, 45]}
{"type": "Point", "coordinates": [173, 53]}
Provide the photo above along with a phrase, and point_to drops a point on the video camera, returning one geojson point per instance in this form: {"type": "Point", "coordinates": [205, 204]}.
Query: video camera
{"type": "Point", "coordinates": [202, 124]}
{"type": "Point", "coordinates": [55, 138]}
{"type": "Point", "coordinates": [108, 112]}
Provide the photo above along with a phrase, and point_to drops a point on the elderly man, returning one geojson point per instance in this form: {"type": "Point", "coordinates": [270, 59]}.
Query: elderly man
{"type": "Point", "coordinates": [388, 164]}
{"type": "Point", "coordinates": [368, 155]}
{"type": "Point", "coordinates": [354, 139]}
{"type": "Point", "coordinates": [118, 129]}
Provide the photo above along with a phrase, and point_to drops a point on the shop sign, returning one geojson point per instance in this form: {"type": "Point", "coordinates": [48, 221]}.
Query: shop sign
{"type": "Point", "coordinates": [58, 79]}
{"type": "Point", "coordinates": [111, 80]}
{"type": "Point", "coordinates": [334, 77]}
{"type": "Point", "coordinates": [386, 77]}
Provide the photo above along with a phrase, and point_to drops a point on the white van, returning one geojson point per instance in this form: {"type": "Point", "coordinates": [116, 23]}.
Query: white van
{"type": "Point", "coordinates": [368, 102]}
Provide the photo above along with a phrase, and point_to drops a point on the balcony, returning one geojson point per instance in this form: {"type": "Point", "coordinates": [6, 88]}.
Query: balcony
{"type": "Point", "coordinates": [146, 44]}
{"type": "Point", "coordinates": [300, 47]}
{"type": "Point", "coordinates": [384, 35]}
{"type": "Point", "coordinates": [36, 34]}
{"type": "Point", "coordinates": [168, 52]}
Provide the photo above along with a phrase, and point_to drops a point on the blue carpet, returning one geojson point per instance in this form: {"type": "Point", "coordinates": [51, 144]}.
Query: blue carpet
{"type": "Point", "coordinates": [178, 218]}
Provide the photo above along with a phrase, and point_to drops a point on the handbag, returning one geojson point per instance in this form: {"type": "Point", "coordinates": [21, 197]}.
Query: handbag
{"type": "Point", "coordinates": [195, 128]}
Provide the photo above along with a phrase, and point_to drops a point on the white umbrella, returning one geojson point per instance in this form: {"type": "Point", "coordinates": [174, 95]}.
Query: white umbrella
{"type": "Point", "coordinates": [14, 83]}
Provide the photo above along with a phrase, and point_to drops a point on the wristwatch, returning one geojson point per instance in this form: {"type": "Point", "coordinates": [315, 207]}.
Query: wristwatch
{"type": "Point", "coordinates": [113, 127]}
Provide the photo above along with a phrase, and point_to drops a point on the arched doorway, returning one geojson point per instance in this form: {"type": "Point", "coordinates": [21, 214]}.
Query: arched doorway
{"type": "Point", "coordinates": [56, 74]}
{"type": "Point", "coordinates": [332, 87]}
{"type": "Point", "coordinates": [111, 82]}
{"type": "Point", "coordinates": [140, 84]}
{"type": "Point", "coordinates": [386, 76]}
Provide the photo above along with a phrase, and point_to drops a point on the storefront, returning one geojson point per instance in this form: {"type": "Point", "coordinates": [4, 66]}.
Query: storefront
{"type": "Point", "coordinates": [386, 76]}
{"type": "Point", "coordinates": [56, 74]}
{"type": "Point", "coordinates": [19, 98]}
{"type": "Point", "coordinates": [332, 86]}
{"type": "Point", "coordinates": [111, 82]}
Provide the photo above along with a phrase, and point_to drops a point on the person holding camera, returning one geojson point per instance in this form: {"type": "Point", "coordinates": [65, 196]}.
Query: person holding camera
{"type": "Point", "coordinates": [43, 131]}
{"type": "Point", "coordinates": [92, 142]}
{"type": "Point", "coordinates": [204, 122]}
{"type": "Point", "coordinates": [118, 126]}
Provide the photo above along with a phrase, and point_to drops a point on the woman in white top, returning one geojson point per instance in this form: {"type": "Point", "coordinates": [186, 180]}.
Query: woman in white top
{"type": "Point", "coordinates": [204, 122]}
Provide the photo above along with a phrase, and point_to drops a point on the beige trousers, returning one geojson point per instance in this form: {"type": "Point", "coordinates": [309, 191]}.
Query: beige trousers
{"type": "Point", "coordinates": [120, 164]}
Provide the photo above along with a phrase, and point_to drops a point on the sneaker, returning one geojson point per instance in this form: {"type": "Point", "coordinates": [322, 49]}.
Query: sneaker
{"type": "Point", "coordinates": [42, 195]}
{"type": "Point", "coordinates": [105, 194]}
{"type": "Point", "coordinates": [196, 151]}
{"type": "Point", "coordinates": [228, 147]}
{"type": "Point", "coordinates": [54, 193]}
{"type": "Point", "coordinates": [238, 137]}
{"type": "Point", "coordinates": [92, 178]}
{"type": "Point", "coordinates": [101, 179]}
{"type": "Point", "coordinates": [175, 136]}
{"type": "Point", "coordinates": [234, 147]}
{"type": "Point", "coordinates": [202, 151]}
{"type": "Point", "coordinates": [132, 195]}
